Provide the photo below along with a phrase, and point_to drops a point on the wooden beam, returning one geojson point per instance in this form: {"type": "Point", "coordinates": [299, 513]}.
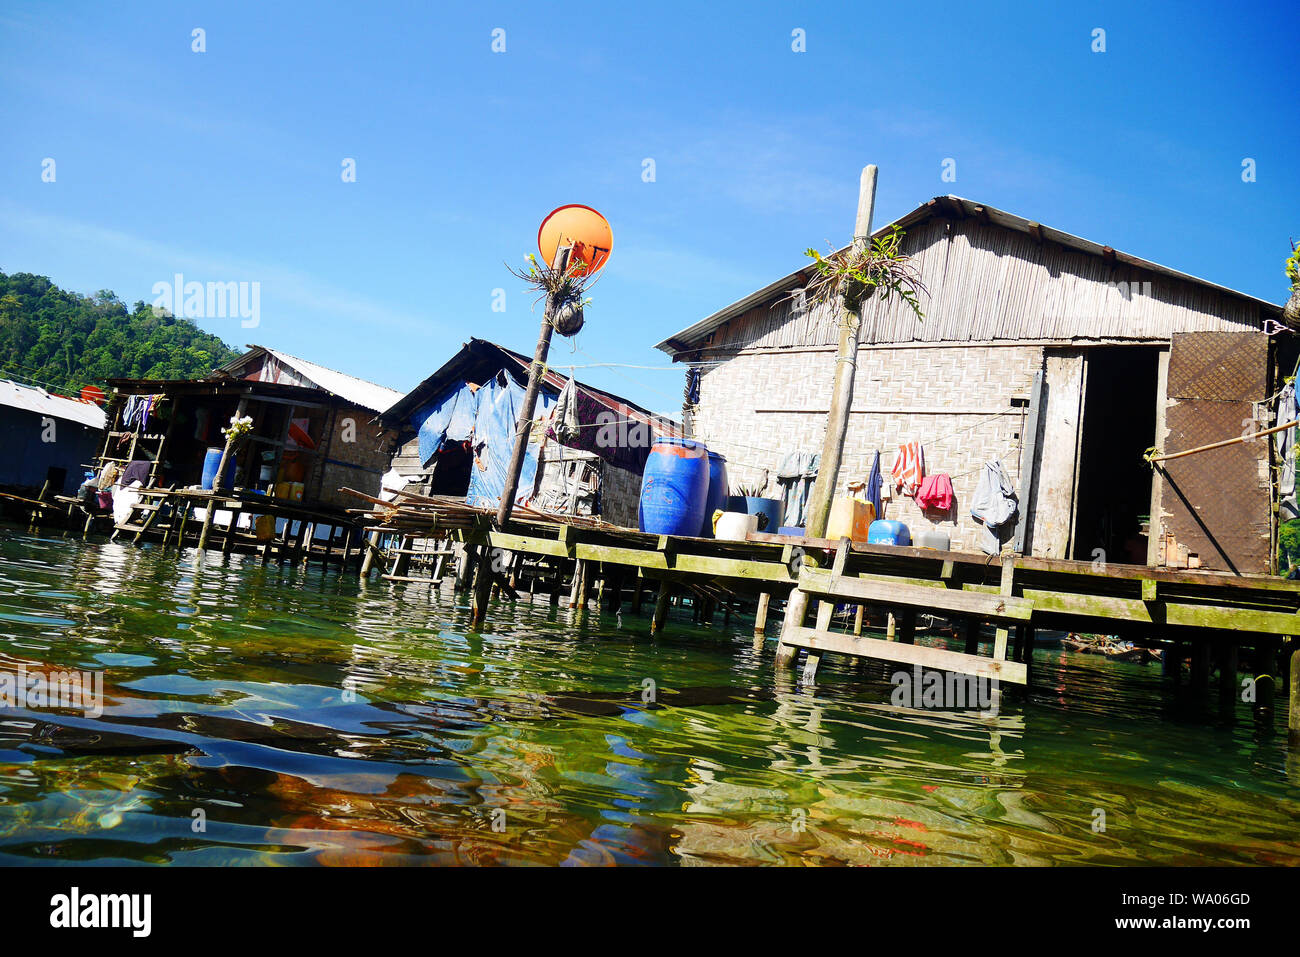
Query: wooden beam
{"type": "Point", "coordinates": [938, 658]}
{"type": "Point", "coordinates": [992, 607]}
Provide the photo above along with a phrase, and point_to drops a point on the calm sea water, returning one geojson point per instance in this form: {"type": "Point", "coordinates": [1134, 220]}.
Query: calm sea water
{"type": "Point", "coordinates": [274, 716]}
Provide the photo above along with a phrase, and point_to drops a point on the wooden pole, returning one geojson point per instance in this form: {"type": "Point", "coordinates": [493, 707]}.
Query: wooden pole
{"type": "Point", "coordinates": [760, 615]}
{"type": "Point", "coordinates": [661, 607]}
{"type": "Point", "coordinates": [1218, 445]}
{"type": "Point", "coordinates": [796, 607]}
{"type": "Point", "coordinates": [1293, 716]}
{"type": "Point", "coordinates": [524, 425]}
{"type": "Point", "coordinates": [482, 589]}
{"type": "Point", "coordinates": [218, 480]}
{"type": "Point", "coordinates": [837, 421]}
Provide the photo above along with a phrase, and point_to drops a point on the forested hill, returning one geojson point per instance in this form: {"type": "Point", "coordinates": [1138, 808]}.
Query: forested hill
{"type": "Point", "coordinates": [61, 340]}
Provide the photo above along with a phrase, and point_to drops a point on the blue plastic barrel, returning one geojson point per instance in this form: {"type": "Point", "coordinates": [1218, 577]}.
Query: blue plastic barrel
{"type": "Point", "coordinates": [717, 495]}
{"type": "Point", "coordinates": [674, 488]}
{"type": "Point", "coordinates": [885, 532]}
{"type": "Point", "coordinates": [212, 462]}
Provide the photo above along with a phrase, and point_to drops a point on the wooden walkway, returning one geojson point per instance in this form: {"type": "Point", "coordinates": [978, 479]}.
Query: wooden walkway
{"type": "Point", "coordinates": [172, 518]}
{"type": "Point", "coordinates": [1210, 616]}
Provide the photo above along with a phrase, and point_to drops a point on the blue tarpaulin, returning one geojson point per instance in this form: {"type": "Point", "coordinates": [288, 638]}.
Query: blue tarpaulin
{"type": "Point", "coordinates": [448, 418]}
{"type": "Point", "coordinates": [486, 417]}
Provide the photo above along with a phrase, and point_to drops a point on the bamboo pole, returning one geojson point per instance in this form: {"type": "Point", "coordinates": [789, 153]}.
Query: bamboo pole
{"type": "Point", "coordinates": [1225, 442]}
{"type": "Point", "coordinates": [837, 422]}
{"type": "Point", "coordinates": [524, 424]}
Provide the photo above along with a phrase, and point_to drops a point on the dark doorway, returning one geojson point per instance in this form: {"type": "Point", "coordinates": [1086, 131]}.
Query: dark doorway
{"type": "Point", "coordinates": [451, 469]}
{"type": "Point", "coordinates": [1119, 425]}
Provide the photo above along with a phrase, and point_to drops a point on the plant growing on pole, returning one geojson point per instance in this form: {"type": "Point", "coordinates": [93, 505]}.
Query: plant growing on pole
{"type": "Point", "coordinates": [867, 267]}
{"type": "Point", "coordinates": [1291, 312]}
{"type": "Point", "coordinates": [561, 287]}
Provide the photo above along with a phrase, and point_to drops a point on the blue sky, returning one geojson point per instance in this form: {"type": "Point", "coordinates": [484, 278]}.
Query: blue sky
{"type": "Point", "coordinates": [225, 165]}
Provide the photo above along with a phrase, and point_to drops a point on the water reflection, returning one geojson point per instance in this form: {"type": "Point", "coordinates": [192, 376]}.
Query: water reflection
{"type": "Point", "coordinates": [301, 717]}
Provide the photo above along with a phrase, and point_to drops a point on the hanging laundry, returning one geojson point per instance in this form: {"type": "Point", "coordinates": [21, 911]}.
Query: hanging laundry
{"type": "Point", "coordinates": [875, 484]}
{"type": "Point", "coordinates": [909, 468]}
{"type": "Point", "coordinates": [133, 411]}
{"type": "Point", "coordinates": [1284, 443]}
{"type": "Point", "coordinates": [796, 475]}
{"type": "Point", "coordinates": [993, 506]}
{"type": "Point", "coordinates": [935, 493]}
{"type": "Point", "coordinates": [136, 471]}
{"type": "Point", "coordinates": [564, 427]}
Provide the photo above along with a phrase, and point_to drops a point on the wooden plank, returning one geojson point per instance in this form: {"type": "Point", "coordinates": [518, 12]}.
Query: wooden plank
{"type": "Point", "coordinates": [939, 659]}
{"type": "Point", "coordinates": [1100, 607]}
{"type": "Point", "coordinates": [991, 607]}
{"type": "Point", "coordinates": [711, 565]}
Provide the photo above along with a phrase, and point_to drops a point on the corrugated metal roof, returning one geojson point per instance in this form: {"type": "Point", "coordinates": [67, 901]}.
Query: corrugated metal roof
{"type": "Point", "coordinates": [43, 403]}
{"type": "Point", "coordinates": [368, 395]}
{"type": "Point", "coordinates": [952, 207]}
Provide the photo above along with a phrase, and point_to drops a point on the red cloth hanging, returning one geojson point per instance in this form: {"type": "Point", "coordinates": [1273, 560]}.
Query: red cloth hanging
{"type": "Point", "coordinates": [935, 494]}
{"type": "Point", "coordinates": [909, 467]}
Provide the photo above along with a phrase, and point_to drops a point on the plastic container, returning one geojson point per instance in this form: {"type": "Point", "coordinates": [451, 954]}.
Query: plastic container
{"type": "Point", "coordinates": [717, 495]}
{"type": "Point", "coordinates": [932, 538]}
{"type": "Point", "coordinates": [212, 462]}
{"type": "Point", "coordinates": [886, 532]}
{"type": "Point", "coordinates": [674, 488]}
{"type": "Point", "coordinates": [795, 530]}
{"type": "Point", "coordinates": [769, 508]}
{"type": "Point", "coordinates": [734, 526]}
{"type": "Point", "coordinates": [850, 518]}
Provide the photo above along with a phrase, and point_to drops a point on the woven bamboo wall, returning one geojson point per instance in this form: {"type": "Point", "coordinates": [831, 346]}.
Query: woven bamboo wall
{"type": "Point", "coordinates": [956, 401]}
{"type": "Point", "coordinates": [357, 464]}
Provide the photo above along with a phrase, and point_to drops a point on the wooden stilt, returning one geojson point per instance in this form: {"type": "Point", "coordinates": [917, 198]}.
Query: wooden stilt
{"type": "Point", "coordinates": [308, 537]}
{"type": "Point", "coordinates": [760, 615]}
{"type": "Point", "coordinates": [584, 583]}
{"type": "Point", "coordinates": [661, 607]}
{"type": "Point", "coordinates": [464, 568]}
{"type": "Point", "coordinates": [796, 608]}
{"type": "Point", "coordinates": [857, 620]}
{"type": "Point", "coordinates": [207, 527]}
{"type": "Point", "coordinates": [638, 592]}
{"type": "Point", "coordinates": [1200, 665]}
{"type": "Point", "coordinates": [1171, 662]}
{"type": "Point", "coordinates": [228, 542]}
{"type": "Point", "coordinates": [1027, 651]}
{"type": "Point", "coordinates": [1293, 715]}
{"type": "Point", "coordinates": [482, 590]}
{"type": "Point", "coordinates": [907, 626]}
{"type": "Point", "coordinates": [1228, 687]}
{"type": "Point", "coordinates": [825, 612]}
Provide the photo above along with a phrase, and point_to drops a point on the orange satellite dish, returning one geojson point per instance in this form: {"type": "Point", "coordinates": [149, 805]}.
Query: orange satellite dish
{"type": "Point", "coordinates": [583, 228]}
{"type": "Point", "coordinates": [92, 393]}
